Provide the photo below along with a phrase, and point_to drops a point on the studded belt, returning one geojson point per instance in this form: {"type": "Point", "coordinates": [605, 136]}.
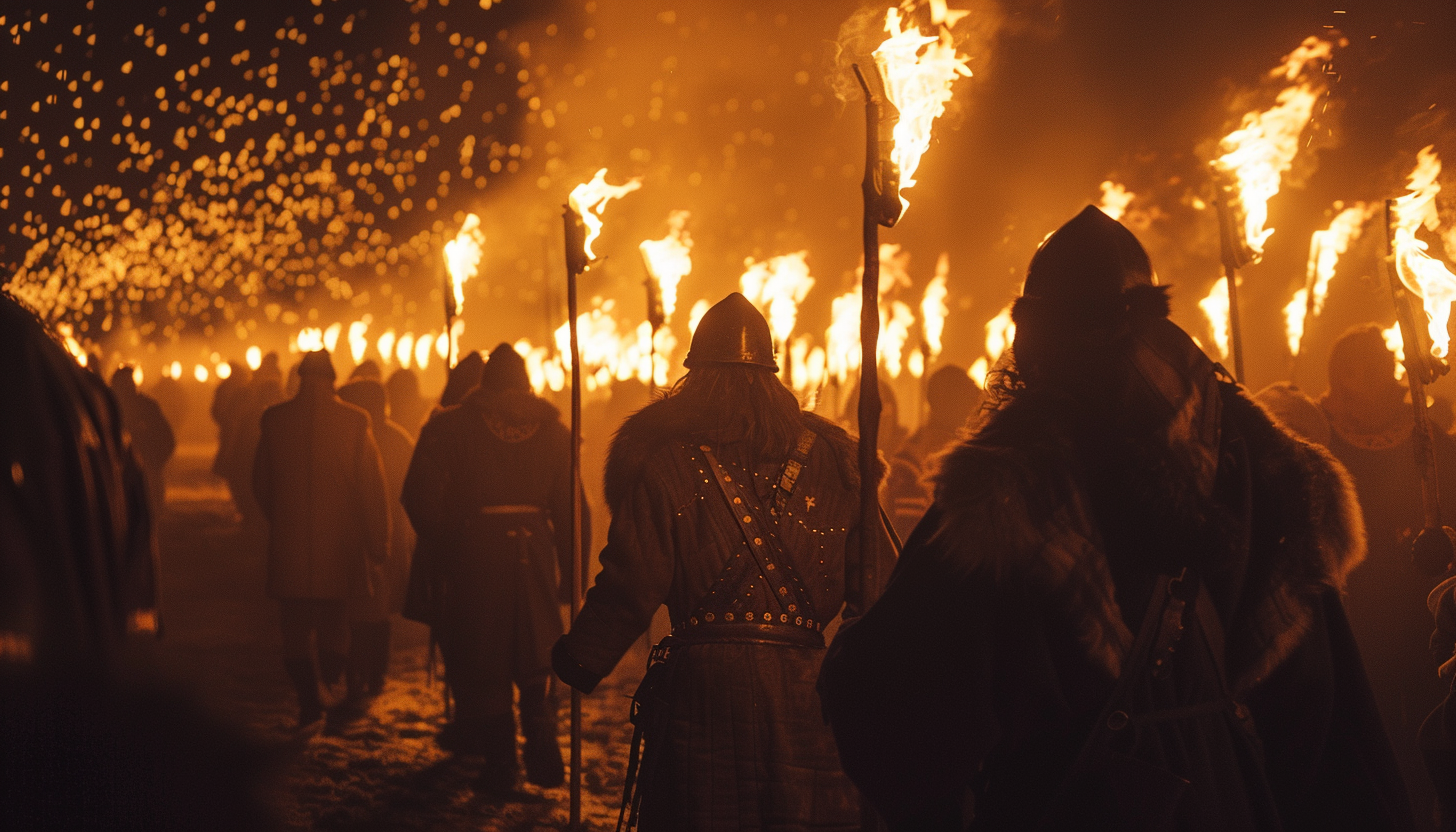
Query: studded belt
{"type": "Point", "coordinates": [742, 632]}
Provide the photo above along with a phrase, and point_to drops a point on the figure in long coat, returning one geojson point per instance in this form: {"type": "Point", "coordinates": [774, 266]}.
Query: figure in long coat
{"type": "Point", "coordinates": [370, 614]}
{"type": "Point", "coordinates": [151, 434]}
{"type": "Point", "coordinates": [1122, 610]}
{"type": "Point", "coordinates": [489, 492]}
{"type": "Point", "coordinates": [1371, 433]}
{"type": "Point", "coordinates": [319, 480]}
{"type": "Point", "coordinates": [739, 512]}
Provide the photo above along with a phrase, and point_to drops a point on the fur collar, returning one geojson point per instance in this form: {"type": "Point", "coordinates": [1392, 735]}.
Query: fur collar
{"type": "Point", "coordinates": [660, 424]}
{"type": "Point", "coordinates": [1010, 500]}
{"type": "Point", "coordinates": [520, 407]}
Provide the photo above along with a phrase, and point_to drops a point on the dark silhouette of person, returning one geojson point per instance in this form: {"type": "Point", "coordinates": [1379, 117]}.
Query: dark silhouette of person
{"type": "Point", "coordinates": [151, 435]}
{"type": "Point", "coordinates": [1371, 427]}
{"type": "Point", "coordinates": [265, 389]}
{"type": "Point", "coordinates": [367, 369]}
{"type": "Point", "coordinates": [740, 512]}
{"type": "Point", "coordinates": [953, 397]}
{"type": "Point", "coordinates": [1122, 610]}
{"type": "Point", "coordinates": [369, 615]}
{"type": "Point", "coordinates": [406, 406]}
{"type": "Point", "coordinates": [462, 379]}
{"type": "Point", "coordinates": [489, 491]}
{"type": "Point", "coordinates": [320, 482]}
{"type": "Point", "coordinates": [229, 400]}
{"type": "Point", "coordinates": [87, 739]}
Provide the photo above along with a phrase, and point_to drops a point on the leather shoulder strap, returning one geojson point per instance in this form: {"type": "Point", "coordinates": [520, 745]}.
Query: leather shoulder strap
{"type": "Point", "coordinates": [763, 544]}
{"type": "Point", "coordinates": [789, 477]}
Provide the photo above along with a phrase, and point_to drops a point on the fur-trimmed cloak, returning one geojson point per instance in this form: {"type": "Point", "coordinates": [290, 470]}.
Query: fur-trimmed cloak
{"type": "Point", "coordinates": [1005, 625]}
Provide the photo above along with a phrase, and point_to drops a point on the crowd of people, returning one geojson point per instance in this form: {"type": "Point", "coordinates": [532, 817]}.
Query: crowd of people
{"type": "Point", "coordinates": [1130, 594]}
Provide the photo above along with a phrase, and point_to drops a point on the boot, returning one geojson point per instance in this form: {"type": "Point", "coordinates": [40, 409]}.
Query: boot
{"type": "Point", "coordinates": [544, 767]}
{"type": "Point", "coordinates": [497, 780]}
{"type": "Point", "coordinates": [305, 685]}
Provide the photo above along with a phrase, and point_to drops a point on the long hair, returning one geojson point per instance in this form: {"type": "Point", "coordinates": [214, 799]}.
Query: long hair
{"type": "Point", "coordinates": [738, 402]}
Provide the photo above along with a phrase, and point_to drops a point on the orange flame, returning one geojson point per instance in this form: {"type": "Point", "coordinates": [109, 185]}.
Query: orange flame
{"type": "Point", "coordinates": [932, 306]}
{"type": "Point", "coordinates": [310, 339]}
{"type": "Point", "coordinates": [589, 199]}
{"type": "Point", "coordinates": [1115, 199]}
{"type": "Point", "coordinates": [1215, 307]}
{"type": "Point", "coordinates": [1000, 334]}
{"type": "Point", "coordinates": [462, 257]}
{"type": "Point", "coordinates": [1395, 342]}
{"type": "Point", "coordinates": [254, 357]}
{"type": "Point", "coordinates": [1419, 271]}
{"type": "Point", "coordinates": [1259, 152]}
{"type": "Point", "coordinates": [404, 349]}
{"type": "Point", "coordinates": [385, 345]}
{"type": "Point", "coordinates": [669, 260]}
{"type": "Point", "coordinates": [68, 339]}
{"type": "Point", "coordinates": [918, 71]}
{"type": "Point", "coordinates": [777, 286]}
{"type": "Point", "coordinates": [1325, 248]}
{"type": "Point", "coordinates": [358, 345]}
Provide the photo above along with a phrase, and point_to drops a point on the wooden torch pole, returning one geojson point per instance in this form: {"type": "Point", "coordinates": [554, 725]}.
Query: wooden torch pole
{"type": "Point", "coordinates": [575, 264]}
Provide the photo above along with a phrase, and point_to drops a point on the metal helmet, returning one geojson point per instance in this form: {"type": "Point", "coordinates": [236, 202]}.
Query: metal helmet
{"type": "Point", "coordinates": [732, 332]}
{"type": "Point", "coordinates": [1089, 261]}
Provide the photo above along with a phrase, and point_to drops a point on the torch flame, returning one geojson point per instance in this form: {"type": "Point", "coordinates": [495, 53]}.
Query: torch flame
{"type": "Point", "coordinates": [385, 345]}
{"type": "Point", "coordinates": [1115, 199]}
{"type": "Point", "coordinates": [358, 345]}
{"type": "Point", "coordinates": [310, 339]}
{"type": "Point", "coordinates": [1396, 344]}
{"type": "Point", "coordinates": [932, 306]}
{"type": "Point", "coordinates": [462, 257]}
{"type": "Point", "coordinates": [1000, 333]}
{"type": "Point", "coordinates": [670, 259]}
{"type": "Point", "coordinates": [1420, 272]}
{"type": "Point", "coordinates": [68, 339]}
{"type": "Point", "coordinates": [1258, 153]}
{"type": "Point", "coordinates": [918, 71]}
{"type": "Point", "coordinates": [777, 286]}
{"type": "Point", "coordinates": [404, 349]}
{"type": "Point", "coordinates": [1216, 308]}
{"type": "Point", "coordinates": [589, 199]}
{"type": "Point", "coordinates": [254, 357]}
{"type": "Point", "coordinates": [1325, 248]}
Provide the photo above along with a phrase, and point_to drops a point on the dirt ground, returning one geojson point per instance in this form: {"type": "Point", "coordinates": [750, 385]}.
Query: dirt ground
{"type": "Point", "coordinates": [221, 642]}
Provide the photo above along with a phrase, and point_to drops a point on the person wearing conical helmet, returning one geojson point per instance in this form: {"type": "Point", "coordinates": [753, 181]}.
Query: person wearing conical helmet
{"type": "Point", "coordinates": [1122, 610]}
{"type": "Point", "coordinates": [740, 512]}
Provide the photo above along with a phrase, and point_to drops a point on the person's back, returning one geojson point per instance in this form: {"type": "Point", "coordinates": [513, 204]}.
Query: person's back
{"type": "Point", "coordinates": [1122, 610]}
{"type": "Point", "coordinates": [316, 473]}
{"type": "Point", "coordinates": [741, 514]}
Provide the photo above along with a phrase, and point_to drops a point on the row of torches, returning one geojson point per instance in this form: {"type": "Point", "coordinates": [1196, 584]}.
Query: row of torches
{"type": "Point", "coordinates": [918, 71]}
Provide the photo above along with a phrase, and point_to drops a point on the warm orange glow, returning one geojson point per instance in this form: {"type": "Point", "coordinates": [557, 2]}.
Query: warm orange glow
{"type": "Point", "coordinates": [918, 71]}
{"type": "Point", "coordinates": [669, 260]}
{"type": "Point", "coordinates": [358, 344]}
{"type": "Point", "coordinates": [1262, 149]}
{"type": "Point", "coordinates": [68, 339]}
{"type": "Point", "coordinates": [254, 357]}
{"type": "Point", "coordinates": [1000, 334]}
{"type": "Point", "coordinates": [310, 339]}
{"type": "Point", "coordinates": [1420, 272]}
{"type": "Point", "coordinates": [777, 286]}
{"type": "Point", "coordinates": [933, 310]}
{"type": "Point", "coordinates": [199, 372]}
{"type": "Point", "coordinates": [978, 371]}
{"type": "Point", "coordinates": [1215, 307]}
{"type": "Point", "coordinates": [404, 349]}
{"type": "Point", "coordinates": [385, 345]}
{"type": "Point", "coordinates": [1396, 344]}
{"type": "Point", "coordinates": [222, 371]}
{"type": "Point", "coordinates": [589, 199]}
{"type": "Point", "coordinates": [696, 314]}
{"type": "Point", "coordinates": [423, 348]}
{"type": "Point", "coordinates": [462, 257]}
{"type": "Point", "coordinates": [1325, 248]}
{"type": "Point", "coordinates": [1115, 199]}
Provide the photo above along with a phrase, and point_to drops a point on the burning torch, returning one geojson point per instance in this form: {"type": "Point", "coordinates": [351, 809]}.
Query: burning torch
{"type": "Point", "coordinates": [582, 224]}
{"type": "Point", "coordinates": [1413, 272]}
{"type": "Point", "coordinates": [462, 262]}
